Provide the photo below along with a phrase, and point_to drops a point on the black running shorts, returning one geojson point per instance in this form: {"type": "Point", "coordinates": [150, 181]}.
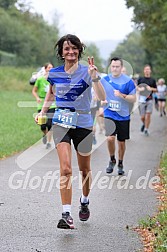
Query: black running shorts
{"type": "Point", "coordinates": [119, 128]}
{"type": "Point", "coordinates": [82, 138]}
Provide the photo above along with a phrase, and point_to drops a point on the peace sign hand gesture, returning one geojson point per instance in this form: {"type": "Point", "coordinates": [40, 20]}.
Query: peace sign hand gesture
{"type": "Point", "coordinates": [92, 70]}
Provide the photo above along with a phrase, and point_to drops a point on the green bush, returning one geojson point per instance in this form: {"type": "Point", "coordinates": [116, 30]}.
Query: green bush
{"type": "Point", "coordinates": [18, 129]}
{"type": "Point", "coordinates": [7, 59]}
{"type": "Point", "coordinates": [15, 78]}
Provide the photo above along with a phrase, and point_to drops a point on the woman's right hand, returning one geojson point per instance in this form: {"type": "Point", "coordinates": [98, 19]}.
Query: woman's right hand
{"type": "Point", "coordinates": [38, 100]}
{"type": "Point", "coordinates": [40, 114]}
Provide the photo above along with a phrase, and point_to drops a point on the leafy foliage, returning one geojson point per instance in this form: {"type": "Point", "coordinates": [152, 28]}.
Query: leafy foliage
{"type": "Point", "coordinates": [92, 50]}
{"type": "Point", "coordinates": [28, 37]}
{"type": "Point", "coordinates": [150, 17]}
{"type": "Point", "coordinates": [6, 4]}
{"type": "Point", "coordinates": [132, 51]}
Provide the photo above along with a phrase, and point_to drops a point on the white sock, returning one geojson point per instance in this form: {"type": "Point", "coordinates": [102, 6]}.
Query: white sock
{"type": "Point", "coordinates": [67, 208]}
{"type": "Point", "coordinates": [84, 199]}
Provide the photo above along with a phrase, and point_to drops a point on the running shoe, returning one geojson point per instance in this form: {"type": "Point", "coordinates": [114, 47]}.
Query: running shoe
{"type": "Point", "coordinates": [66, 222]}
{"type": "Point", "coordinates": [44, 139]}
{"type": "Point", "coordinates": [142, 128]}
{"type": "Point", "coordinates": [110, 167]}
{"type": "Point", "coordinates": [48, 145]}
{"type": "Point", "coordinates": [84, 212]}
{"type": "Point", "coordinates": [146, 133]}
{"type": "Point", "coordinates": [120, 170]}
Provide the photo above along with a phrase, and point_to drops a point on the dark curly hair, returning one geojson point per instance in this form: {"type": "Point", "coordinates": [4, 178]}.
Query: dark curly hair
{"type": "Point", "coordinates": [69, 38]}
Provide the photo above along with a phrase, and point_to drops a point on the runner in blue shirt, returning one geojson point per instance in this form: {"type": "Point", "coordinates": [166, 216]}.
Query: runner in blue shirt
{"type": "Point", "coordinates": [120, 91]}
{"type": "Point", "coordinates": [70, 86]}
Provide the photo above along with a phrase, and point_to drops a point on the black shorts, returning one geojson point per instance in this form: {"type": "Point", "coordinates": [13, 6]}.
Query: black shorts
{"type": "Point", "coordinates": [119, 128]}
{"type": "Point", "coordinates": [162, 99]}
{"type": "Point", "coordinates": [82, 138]}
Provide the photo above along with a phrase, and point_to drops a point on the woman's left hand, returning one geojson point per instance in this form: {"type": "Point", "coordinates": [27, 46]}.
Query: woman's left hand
{"type": "Point", "coordinates": [92, 70]}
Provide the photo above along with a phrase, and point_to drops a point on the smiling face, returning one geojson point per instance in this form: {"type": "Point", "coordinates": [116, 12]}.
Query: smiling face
{"type": "Point", "coordinates": [69, 49]}
{"type": "Point", "coordinates": [70, 52]}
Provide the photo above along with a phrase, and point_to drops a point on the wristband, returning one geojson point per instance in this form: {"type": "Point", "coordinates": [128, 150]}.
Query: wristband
{"type": "Point", "coordinates": [96, 79]}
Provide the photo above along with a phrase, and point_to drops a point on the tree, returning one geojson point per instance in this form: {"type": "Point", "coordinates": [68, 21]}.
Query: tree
{"type": "Point", "coordinates": [27, 36]}
{"type": "Point", "coordinates": [92, 50]}
{"type": "Point", "coordinates": [6, 4]}
{"type": "Point", "coordinates": [23, 5]}
{"type": "Point", "coordinates": [151, 18]}
{"type": "Point", "coordinates": [30, 38]}
{"type": "Point", "coordinates": [132, 51]}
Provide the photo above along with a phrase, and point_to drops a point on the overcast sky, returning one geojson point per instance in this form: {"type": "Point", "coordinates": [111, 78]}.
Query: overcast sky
{"type": "Point", "coordinates": [89, 20]}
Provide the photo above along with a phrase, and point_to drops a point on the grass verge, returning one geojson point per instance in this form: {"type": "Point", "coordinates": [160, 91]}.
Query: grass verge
{"type": "Point", "coordinates": [18, 130]}
{"type": "Point", "coordinates": [153, 230]}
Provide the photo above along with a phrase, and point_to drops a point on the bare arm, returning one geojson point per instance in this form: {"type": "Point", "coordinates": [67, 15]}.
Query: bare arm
{"type": "Point", "coordinates": [97, 86]}
{"type": "Point", "coordinates": [47, 103]}
{"type": "Point", "coordinates": [141, 88]}
{"type": "Point", "coordinates": [129, 98]}
{"type": "Point", "coordinates": [35, 94]}
{"type": "Point", "coordinates": [152, 89]}
{"type": "Point", "coordinates": [99, 90]}
{"type": "Point", "coordinates": [48, 100]}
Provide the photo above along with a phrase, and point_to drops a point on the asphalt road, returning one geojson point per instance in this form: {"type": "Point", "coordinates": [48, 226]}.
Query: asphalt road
{"type": "Point", "coordinates": [30, 204]}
